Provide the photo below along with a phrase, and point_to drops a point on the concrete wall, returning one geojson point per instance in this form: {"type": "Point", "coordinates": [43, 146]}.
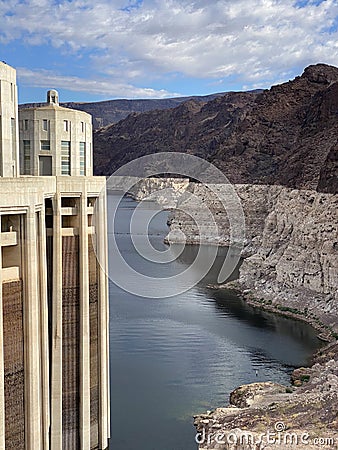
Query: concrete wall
{"type": "Point", "coordinates": [14, 382]}
{"type": "Point", "coordinates": [54, 315]}
{"type": "Point", "coordinates": [9, 138]}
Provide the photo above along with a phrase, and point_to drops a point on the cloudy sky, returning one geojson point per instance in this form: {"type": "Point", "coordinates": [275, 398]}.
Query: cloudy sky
{"type": "Point", "coordinates": [104, 49]}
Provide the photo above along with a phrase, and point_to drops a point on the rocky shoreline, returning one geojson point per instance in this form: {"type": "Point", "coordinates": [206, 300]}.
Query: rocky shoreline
{"type": "Point", "coordinates": [324, 332]}
{"type": "Point", "coordinates": [306, 413]}
{"type": "Point", "coordinates": [271, 416]}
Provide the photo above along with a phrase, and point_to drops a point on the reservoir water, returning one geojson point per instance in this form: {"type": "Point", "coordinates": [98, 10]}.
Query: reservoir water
{"type": "Point", "coordinates": [171, 358]}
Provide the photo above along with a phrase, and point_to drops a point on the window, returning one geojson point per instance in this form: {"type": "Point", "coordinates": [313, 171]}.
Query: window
{"type": "Point", "coordinates": [26, 157]}
{"type": "Point", "coordinates": [65, 157]}
{"type": "Point", "coordinates": [65, 125]}
{"type": "Point", "coordinates": [45, 145]}
{"type": "Point", "coordinates": [25, 126]}
{"type": "Point", "coordinates": [13, 127]}
{"type": "Point", "coordinates": [82, 127]}
{"type": "Point", "coordinates": [13, 136]}
{"type": "Point", "coordinates": [45, 165]}
{"type": "Point", "coordinates": [82, 158]}
{"type": "Point", "coordinates": [45, 124]}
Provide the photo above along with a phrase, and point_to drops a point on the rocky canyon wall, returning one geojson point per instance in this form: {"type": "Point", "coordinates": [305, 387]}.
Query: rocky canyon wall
{"type": "Point", "coordinates": [290, 246]}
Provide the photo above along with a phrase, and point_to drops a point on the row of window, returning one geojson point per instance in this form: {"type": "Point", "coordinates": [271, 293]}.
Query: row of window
{"type": "Point", "coordinates": [13, 89]}
{"type": "Point", "coordinates": [45, 125]}
{"type": "Point", "coordinates": [65, 156]}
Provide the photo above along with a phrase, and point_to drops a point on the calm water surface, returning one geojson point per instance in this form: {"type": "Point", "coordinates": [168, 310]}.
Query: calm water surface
{"type": "Point", "coordinates": [175, 357]}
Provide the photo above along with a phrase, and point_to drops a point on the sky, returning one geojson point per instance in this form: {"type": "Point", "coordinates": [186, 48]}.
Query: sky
{"type": "Point", "coordinates": [105, 49]}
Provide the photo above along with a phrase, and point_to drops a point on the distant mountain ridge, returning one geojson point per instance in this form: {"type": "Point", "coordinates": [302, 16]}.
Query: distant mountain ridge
{"type": "Point", "coordinates": [111, 111]}
{"type": "Point", "coordinates": [285, 135]}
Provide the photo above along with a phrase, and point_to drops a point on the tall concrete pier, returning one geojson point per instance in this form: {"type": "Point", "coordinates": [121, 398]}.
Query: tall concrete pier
{"type": "Point", "coordinates": [54, 380]}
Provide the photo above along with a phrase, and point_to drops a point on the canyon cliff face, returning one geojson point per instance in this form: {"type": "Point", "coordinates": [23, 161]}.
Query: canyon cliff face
{"type": "Point", "coordinates": [290, 246]}
{"type": "Point", "coordinates": [286, 135]}
{"type": "Point", "coordinates": [296, 264]}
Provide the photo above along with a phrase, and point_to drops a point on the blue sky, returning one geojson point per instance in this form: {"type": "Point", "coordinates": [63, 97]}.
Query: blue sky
{"type": "Point", "coordinates": [92, 51]}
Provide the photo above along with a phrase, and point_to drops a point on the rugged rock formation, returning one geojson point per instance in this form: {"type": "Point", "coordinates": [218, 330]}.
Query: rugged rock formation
{"type": "Point", "coordinates": [269, 416]}
{"type": "Point", "coordinates": [286, 135]}
{"type": "Point", "coordinates": [164, 191]}
{"type": "Point", "coordinates": [296, 265]}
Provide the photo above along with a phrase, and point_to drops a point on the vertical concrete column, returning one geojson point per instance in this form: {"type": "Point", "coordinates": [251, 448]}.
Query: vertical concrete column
{"type": "Point", "coordinates": [32, 337]}
{"type": "Point", "coordinates": [106, 286]}
{"type": "Point", "coordinates": [2, 387]}
{"type": "Point", "coordinates": [84, 325]}
{"type": "Point", "coordinates": [106, 249]}
{"type": "Point", "coordinates": [102, 253]}
{"type": "Point", "coordinates": [35, 143]}
{"type": "Point", "coordinates": [44, 329]}
{"type": "Point", "coordinates": [16, 156]}
{"type": "Point", "coordinates": [56, 356]}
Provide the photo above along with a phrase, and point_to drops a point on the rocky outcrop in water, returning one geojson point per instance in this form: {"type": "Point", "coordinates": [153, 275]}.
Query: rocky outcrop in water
{"type": "Point", "coordinates": [269, 416]}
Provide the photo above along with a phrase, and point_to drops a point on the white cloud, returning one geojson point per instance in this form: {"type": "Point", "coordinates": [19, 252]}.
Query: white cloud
{"type": "Point", "coordinates": [47, 79]}
{"type": "Point", "coordinates": [253, 40]}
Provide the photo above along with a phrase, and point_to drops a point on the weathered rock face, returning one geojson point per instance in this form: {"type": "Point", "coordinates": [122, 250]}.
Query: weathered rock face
{"type": "Point", "coordinates": [290, 247]}
{"type": "Point", "coordinates": [164, 191]}
{"type": "Point", "coordinates": [286, 135]}
{"type": "Point", "coordinates": [270, 416]}
{"type": "Point", "coordinates": [296, 265]}
{"type": "Point", "coordinates": [192, 215]}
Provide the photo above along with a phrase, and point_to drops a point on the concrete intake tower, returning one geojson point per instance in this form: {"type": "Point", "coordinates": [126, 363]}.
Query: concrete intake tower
{"type": "Point", "coordinates": [54, 368]}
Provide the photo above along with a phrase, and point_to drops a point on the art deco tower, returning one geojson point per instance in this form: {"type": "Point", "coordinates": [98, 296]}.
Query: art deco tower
{"type": "Point", "coordinates": [54, 387]}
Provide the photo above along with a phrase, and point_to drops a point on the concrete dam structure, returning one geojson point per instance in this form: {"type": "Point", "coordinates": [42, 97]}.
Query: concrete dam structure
{"type": "Point", "coordinates": [54, 368]}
